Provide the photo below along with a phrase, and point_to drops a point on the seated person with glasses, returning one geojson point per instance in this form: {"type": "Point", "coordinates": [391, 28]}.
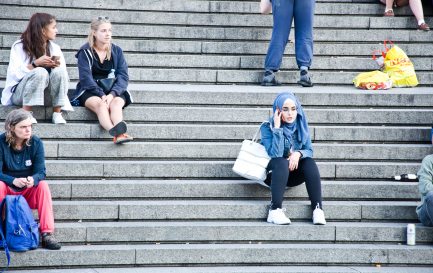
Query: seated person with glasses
{"type": "Point", "coordinates": [103, 80]}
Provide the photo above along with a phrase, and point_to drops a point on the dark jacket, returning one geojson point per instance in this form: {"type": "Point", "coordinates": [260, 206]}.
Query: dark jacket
{"type": "Point", "coordinates": [87, 82]}
{"type": "Point", "coordinates": [30, 161]}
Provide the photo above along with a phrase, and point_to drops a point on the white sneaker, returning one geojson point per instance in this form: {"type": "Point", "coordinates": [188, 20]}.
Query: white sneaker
{"type": "Point", "coordinates": [318, 216]}
{"type": "Point", "coordinates": [58, 118]}
{"type": "Point", "coordinates": [277, 216]}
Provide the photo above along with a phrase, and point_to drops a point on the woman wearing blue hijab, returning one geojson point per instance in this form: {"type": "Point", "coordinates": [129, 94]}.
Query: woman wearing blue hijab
{"type": "Point", "coordinates": [287, 140]}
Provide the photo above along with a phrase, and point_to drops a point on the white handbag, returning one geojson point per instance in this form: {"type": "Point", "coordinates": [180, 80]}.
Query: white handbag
{"type": "Point", "coordinates": [252, 160]}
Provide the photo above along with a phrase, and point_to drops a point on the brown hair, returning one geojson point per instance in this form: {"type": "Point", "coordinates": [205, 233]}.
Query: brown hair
{"type": "Point", "coordinates": [94, 25]}
{"type": "Point", "coordinates": [34, 44]}
{"type": "Point", "coordinates": [12, 119]}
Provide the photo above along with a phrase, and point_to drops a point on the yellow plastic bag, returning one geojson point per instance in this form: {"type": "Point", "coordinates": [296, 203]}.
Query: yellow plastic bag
{"type": "Point", "coordinates": [399, 68]}
{"type": "Point", "coordinates": [373, 80]}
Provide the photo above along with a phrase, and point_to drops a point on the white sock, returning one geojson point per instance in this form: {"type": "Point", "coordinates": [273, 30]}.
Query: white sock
{"type": "Point", "coordinates": [420, 22]}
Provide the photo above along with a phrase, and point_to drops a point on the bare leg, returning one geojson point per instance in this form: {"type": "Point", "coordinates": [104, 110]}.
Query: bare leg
{"type": "Point", "coordinates": [416, 7]}
{"type": "Point", "coordinates": [116, 114]}
{"type": "Point", "coordinates": [27, 108]}
{"type": "Point", "coordinates": [57, 109]}
{"type": "Point", "coordinates": [388, 4]}
{"type": "Point", "coordinates": [96, 105]}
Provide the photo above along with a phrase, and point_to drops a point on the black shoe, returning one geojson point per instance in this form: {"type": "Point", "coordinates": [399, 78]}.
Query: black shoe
{"type": "Point", "coordinates": [50, 242]}
{"type": "Point", "coordinates": [269, 79]}
{"type": "Point", "coordinates": [305, 80]}
{"type": "Point", "coordinates": [118, 129]}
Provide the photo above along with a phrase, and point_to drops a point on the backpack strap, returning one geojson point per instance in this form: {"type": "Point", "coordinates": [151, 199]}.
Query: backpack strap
{"type": "Point", "coordinates": [3, 239]}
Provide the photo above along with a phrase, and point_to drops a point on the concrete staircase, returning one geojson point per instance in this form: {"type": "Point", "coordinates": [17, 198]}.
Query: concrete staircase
{"type": "Point", "coordinates": [169, 202]}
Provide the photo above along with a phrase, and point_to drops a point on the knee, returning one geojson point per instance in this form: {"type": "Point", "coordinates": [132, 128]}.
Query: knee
{"type": "Point", "coordinates": [43, 186]}
{"type": "Point", "coordinates": [59, 73]}
{"type": "Point", "coordinates": [309, 162]}
{"type": "Point", "coordinates": [278, 163]}
{"type": "Point", "coordinates": [101, 107]}
{"type": "Point", "coordinates": [429, 197]}
{"type": "Point", "coordinates": [40, 73]}
{"type": "Point", "coordinates": [116, 103]}
{"type": "Point", "coordinates": [3, 189]}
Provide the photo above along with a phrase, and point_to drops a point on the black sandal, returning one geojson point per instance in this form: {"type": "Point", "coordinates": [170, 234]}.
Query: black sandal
{"type": "Point", "coordinates": [118, 129]}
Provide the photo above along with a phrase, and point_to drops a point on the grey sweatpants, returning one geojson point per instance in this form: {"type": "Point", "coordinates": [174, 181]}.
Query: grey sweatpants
{"type": "Point", "coordinates": [30, 90]}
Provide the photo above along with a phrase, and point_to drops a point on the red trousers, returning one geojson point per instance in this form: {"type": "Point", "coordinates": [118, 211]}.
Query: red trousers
{"type": "Point", "coordinates": [38, 198]}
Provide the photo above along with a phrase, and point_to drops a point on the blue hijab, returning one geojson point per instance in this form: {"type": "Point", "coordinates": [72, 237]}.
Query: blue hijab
{"type": "Point", "coordinates": [300, 124]}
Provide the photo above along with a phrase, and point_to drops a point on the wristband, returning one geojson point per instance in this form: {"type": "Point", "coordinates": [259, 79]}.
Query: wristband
{"type": "Point", "coordinates": [33, 64]}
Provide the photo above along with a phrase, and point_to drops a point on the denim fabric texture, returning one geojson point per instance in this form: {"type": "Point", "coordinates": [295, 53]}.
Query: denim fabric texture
{"type": "Point", "coordinates": [279, 146]}
{"type": "Point", "coordinates": [284, 13]}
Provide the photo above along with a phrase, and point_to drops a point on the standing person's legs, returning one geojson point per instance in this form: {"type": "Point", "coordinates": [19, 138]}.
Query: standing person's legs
{"type": "Point", "coordinates": [304, 19]}
{"type": "Point", "coordinates": [30, 91]}
{"type": "Point", "coordinates": [282, 12]}
{"type": "Point", "coordinates": [425, 215]}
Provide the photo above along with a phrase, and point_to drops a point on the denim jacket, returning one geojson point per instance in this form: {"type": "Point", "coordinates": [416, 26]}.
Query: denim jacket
{"type": "Point", "coordinates": [279, 146]}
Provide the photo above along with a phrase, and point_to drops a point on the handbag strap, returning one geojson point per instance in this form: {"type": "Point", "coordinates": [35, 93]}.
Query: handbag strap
{"type": "Point", "coordinates": [258, 131]}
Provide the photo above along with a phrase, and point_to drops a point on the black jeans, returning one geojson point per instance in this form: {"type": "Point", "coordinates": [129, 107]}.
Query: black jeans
{"type": "Point", "coordinates": [280, 177]}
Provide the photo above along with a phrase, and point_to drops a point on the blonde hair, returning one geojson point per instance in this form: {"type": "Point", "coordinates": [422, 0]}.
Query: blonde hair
{"type": "Point", "coordinates": [94, 25]}
{"type": "Point", "coordinates": [12, 119]}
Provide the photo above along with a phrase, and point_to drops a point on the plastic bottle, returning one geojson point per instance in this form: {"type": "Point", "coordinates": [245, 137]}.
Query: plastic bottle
{"type": "Point", "coordinates": [411, 234]}
{"type": "Point", "coordinates": [406, 177]}
{"type": "Point", "coordinates": [111, 74]}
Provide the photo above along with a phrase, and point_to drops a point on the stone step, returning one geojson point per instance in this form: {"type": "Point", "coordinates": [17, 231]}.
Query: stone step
{"type": "Point", "coordinates": [225, 254]}
{"type": "Point", "coordinates": [254, 95]}
{"type": "Point", "coordinates": [231, 33]}
{"type": "Point", "coordinates": [65, 15]}
{"type": "Point", "coordinates": [243, 62]}
{"type": "Point", "coordinates": [229, 7]}
{"type": "Point", "coordinates": [243, 269]}
{"type": "Point", "coordinates": [225, 189]}
{"type": "Point", "coordinates": [71, 44]}
{"type": "Point", "coordinates": [210, 150]}
{"type": "Point", "coordinates": [206, 114]}
{"type": "Point", "coordinates": [230, 210]}
{"type": "Point", "coordinates": [217, 132]}
{"type": "Point", "coordinates": [128, 169]}
{"type": "Point", "coordinates": [221, 76]}
{"type": "Point", "coordinates": [247, 62]}
{"type": "Point", "coordinates": [229, 232]}
{"type": "Point", "coordinates": [347, 7]}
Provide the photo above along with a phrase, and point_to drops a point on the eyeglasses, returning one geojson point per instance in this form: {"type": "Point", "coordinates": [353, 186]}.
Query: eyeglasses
{"type": "Point", "coordinates": [288, 110]}
{"type": "Point", "coordinates": [103, 18]}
